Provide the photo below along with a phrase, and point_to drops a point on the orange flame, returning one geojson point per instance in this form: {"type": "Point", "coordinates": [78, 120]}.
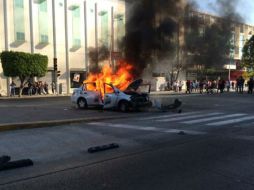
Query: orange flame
{"type": "Point", "coordinates": [121, 78]}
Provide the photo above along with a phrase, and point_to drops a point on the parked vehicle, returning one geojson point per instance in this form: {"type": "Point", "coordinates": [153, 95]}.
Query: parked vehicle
{"type": "Point", "coordinates": [112, 98]}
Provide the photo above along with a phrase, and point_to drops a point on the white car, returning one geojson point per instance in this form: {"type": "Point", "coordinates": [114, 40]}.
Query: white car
{"type": "Point", "coordinates": [113, 98]}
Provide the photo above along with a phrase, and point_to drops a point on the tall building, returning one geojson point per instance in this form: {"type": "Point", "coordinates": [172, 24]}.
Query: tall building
{"type": "Point", "coordinates": [240, 33]}
{"type": "Point", "coordinates": [63, 30]}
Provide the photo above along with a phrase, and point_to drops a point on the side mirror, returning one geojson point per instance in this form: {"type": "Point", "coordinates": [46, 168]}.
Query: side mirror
{"type": "Point", "coordinates": [117, 91]}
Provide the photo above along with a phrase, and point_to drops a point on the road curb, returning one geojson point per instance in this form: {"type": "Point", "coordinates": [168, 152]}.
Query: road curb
{"type": "Point", "coordinates": [41, 124]}
{"type": "Point", "coordinates": [33, 97]}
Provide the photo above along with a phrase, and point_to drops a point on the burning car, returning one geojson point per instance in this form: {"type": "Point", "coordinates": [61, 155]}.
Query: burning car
{"type": "Point", "coordinates": [110, 97]}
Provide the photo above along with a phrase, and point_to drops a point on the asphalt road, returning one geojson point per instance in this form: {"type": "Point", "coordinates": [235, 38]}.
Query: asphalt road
{"type": "Point", "coordinates": [210, 145]}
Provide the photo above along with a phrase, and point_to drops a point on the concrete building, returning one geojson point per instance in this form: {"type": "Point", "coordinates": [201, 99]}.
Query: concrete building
{"type": "Point", "coordinates": [241, 32]}
{"type": "Point", "coordinates": [61, 29]}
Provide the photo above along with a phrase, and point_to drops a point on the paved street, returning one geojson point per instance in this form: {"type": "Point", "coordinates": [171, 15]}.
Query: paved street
{"type": "Point", "coordinates": [208, 146]}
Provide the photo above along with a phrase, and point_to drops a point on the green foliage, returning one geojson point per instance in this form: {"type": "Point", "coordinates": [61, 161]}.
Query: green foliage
{"type": "Point", "coordinates": [22, 65]}
{"type": "Point", "coordinates": [248, 55]}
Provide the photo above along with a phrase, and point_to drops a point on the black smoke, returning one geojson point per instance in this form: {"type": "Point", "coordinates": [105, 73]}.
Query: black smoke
{"type": "Point", "coordinates": [97, 55]}
{"type": "Point", "coordinates": [210, 43]}
{"type": "Point", "coordinates": [152, 29]}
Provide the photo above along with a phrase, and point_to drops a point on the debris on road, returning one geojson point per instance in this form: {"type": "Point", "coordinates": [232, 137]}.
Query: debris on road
{"type": "Point", "coordinates": [102, 147]}
{"type": "Point", "coordinates": [4, 159]}
{"type": "Point", "coordinates": [175, 106]}
{"type": "Point", "coordinates": [181, 133]}
{"type": "Point", "coordinates": [6, 164]}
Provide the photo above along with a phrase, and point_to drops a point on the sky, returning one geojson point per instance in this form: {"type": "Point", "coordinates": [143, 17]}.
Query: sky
{"type": "Point", "coordinates": [244, 7]}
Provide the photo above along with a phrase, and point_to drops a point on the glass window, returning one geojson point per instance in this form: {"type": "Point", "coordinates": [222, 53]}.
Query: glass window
{"type": "Point", "coordinates": [201, 32]}
{"type": "Point", "coordinates": [19, 3]}
{"type": "Point", "coordinates": [207, 19]}
{"type": "Point", "coordinates": [76, 42]}
{"type": "Point", "coordinates": [44, 38]}
{"type": "Point", "coordinates": [241, 28]}
{"type": "Point", "coordinates": [43, 6]}
{"type": "Point", "coordinates": [120, 26]}
{"type": "Point", "coordinates": [43, 22]}
{"type": "Point", "coordinates": [19, 20]}
{"type": "Point", "coordinates": [20, 36]}
{"type": "Point", "coordinates": [236, 50]}
{"type": "Point", "coordinates": [104, 28]}
{"type": "Point", "coordinates": [76, 13]}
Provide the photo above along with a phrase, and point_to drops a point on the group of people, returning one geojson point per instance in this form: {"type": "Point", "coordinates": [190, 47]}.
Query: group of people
{"type": "Point", "coordinates": [211, 86]}
{"type": "Point", "coordinates": [37, 88]}
{"type": "Point", "coordinates": [34, 88]}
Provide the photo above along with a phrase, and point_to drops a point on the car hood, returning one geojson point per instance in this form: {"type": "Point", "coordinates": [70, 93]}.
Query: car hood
{"type": "Point", "coordinates": [134, 85]}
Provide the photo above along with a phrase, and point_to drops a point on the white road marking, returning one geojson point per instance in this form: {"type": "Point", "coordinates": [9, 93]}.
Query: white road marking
{"type": "Point", "coordinates": [189, 117]}
{"type": "Point", "coordinates": [231, 121]}
{"type": "Point", "coordinates": [137, 127]}
{"type": "Point", "coordinates": [169, 115]}
{"type": "Point", "coordinates": [212, 118]}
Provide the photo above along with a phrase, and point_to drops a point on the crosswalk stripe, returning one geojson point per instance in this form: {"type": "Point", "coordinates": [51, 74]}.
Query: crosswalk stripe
{"type": "Point", "coordinates": [137, 127]}
{"type": "Point", "coordinates": [188, 117]}
{"type": "Point", "coordinates": [169, 115]}
{"type": "Point", "coordinates": [126, 126]}
{"type": "Point", "coordinates": [219, 123]}
{"type": "Point", "coordinates": [212, 118]}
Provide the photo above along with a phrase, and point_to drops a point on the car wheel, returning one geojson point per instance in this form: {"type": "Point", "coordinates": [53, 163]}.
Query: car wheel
{"type": "Point", "coordinates": [82, 103]}
{"type": "Point", "coordinates": [123, 107]}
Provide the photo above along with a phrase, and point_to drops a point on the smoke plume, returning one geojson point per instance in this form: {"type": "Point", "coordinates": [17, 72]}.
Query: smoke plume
{"type": "Point", "coordinates": [153, 26]}
{"type": "Point", "coordinates": [150, 30]}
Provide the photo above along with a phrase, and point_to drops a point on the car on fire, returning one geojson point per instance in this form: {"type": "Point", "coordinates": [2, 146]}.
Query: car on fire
{"type": "Point", "coordinates": [112, 98]}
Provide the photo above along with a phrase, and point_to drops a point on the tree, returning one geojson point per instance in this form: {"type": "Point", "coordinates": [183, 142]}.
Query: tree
{"type": "Point", "coordinates": [248, 55]}
{"type": "Point", "coordinates": [23, 65]}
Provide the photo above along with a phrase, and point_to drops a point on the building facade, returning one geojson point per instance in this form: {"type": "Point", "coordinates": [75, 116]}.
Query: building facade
{"type": "Point", "coordinates": [240, 32]}
{"type": "Point", "coordinates": [63, 30]}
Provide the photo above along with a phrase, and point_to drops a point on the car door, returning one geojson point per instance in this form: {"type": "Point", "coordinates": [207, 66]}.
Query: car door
{"type": "Point", "coordinates": [91, 94]}
{"type": "Point", "coordinates": [110, 96]}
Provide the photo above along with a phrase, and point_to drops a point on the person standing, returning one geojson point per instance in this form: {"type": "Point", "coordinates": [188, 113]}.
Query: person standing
{"type": "Point", "coordinates": [53, 87]}
{"type": "Point", "coordinates": [233, 85]}
{"type": "Point", "coordinates": [221, 85]}
{"type": "Point", "coordinates": [250, 84]}
{"type": "Point", "coordinates": [188, 86]}
{"type": "Point", "coordinates": [241, 84]}
{"type": "Point", "coordinates": [228, 85]}
{"type": "Point", "coordinates": [30, 88]}
{"type": "Point", "coordinates": [12, 88]}
{"type": "Point", "coordinates": [180, 86]}
{"type": "Point", "coordinates": [46, 88]}
{"type": "Point", "coordinates": [201, 86]}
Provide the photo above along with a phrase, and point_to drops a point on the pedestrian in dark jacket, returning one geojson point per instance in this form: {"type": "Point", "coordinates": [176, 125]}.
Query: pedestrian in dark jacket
{"type": "Point", "coordinates": [241, 84]}
{"type": "Point", "coordinates": [188, 86]}
{"type": "Point", "coordinates": [250, 85]}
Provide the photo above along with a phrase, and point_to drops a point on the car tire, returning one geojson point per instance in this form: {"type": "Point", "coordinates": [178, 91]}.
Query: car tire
{"type": "Point", "coordinates": [123, 107]}
{"type": "Point", "coordinates": [82, 104]}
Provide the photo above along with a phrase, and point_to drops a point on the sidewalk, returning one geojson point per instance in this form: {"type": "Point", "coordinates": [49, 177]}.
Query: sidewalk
{"type": "Point", "coordinates": [68, 95]}
{"type": "Point", "coordinates": [33, 96]}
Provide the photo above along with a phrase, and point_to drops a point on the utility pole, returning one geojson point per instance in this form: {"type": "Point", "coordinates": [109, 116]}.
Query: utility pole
{"type": "Point", "coordinates": [112, 40]}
